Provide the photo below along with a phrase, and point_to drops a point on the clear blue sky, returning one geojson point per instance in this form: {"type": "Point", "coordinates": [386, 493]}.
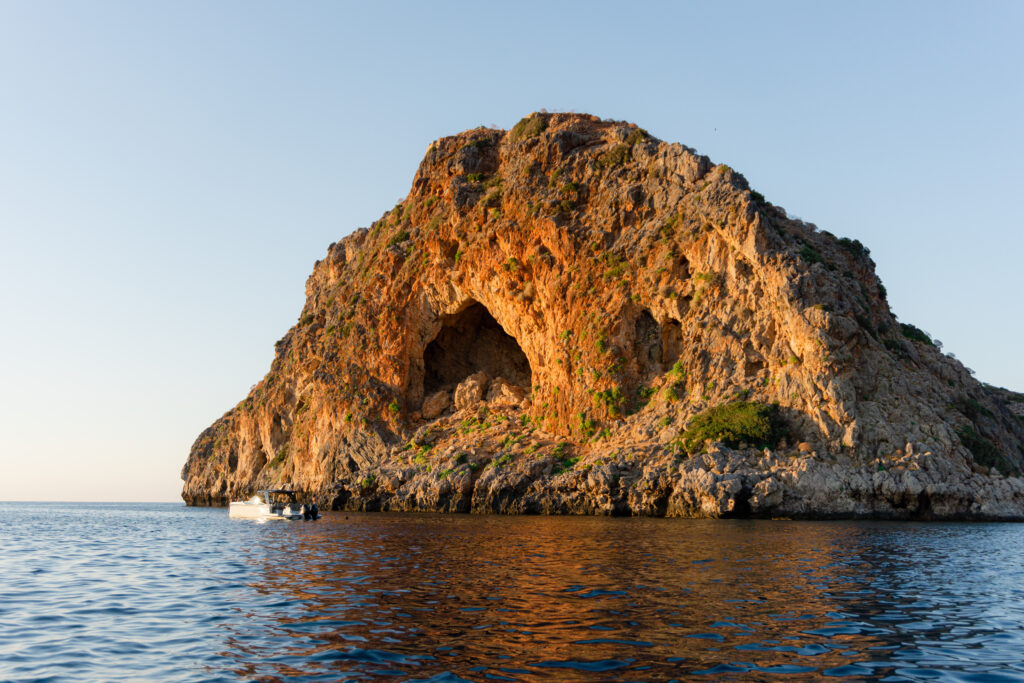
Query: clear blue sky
{"type": "Point", "coordinates": [170, 171]}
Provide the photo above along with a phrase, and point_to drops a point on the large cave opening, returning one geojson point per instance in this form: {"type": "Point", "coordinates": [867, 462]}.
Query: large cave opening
{"type": "Point", "coordinates": [470, 341]}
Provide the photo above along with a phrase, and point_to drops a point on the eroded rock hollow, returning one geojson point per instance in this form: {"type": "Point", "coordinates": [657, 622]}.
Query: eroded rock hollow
{"type": "Point", "coordinates": [471, 341]}
{"type": "Point", "coordinates": [574, 317]}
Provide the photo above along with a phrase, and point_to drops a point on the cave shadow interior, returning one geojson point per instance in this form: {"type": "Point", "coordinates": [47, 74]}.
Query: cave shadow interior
{"type": "Point", "coordinates": [658, 346]}
{"type": "Point", "coordinates": [470, 341]}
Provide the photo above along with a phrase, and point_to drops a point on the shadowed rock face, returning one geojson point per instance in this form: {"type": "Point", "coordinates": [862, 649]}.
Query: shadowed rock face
{"type": "Point", "coordinates": [535, 325]}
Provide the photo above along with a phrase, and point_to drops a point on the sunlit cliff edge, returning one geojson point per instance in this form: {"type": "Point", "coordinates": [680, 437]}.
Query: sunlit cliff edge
{"type": "Point", "coordinates": [573, 317]}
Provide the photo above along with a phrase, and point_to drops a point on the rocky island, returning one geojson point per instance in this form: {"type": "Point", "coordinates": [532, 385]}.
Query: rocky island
{"type": "Point", "coordinates": [573, 317]}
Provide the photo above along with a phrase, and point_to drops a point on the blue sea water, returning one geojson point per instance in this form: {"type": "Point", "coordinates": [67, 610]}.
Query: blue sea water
{"type": "Point", "coordinates": [161, 592]}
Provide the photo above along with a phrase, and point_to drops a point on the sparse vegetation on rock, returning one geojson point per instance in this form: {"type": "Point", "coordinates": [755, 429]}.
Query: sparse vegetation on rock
{"type": "Point", "coordinates": [916, 334]}
{"type": "Point", "coordinates": [735, 423]}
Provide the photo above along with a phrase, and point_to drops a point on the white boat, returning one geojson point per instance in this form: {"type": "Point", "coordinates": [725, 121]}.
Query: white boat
{"type": "Point", "coordinates": [267, 504]}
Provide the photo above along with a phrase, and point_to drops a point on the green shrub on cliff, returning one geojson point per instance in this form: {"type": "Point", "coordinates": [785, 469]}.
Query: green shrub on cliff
{"type": "Point", "coordinates": [810, 254]}
{"type": "Point", "coordinates": [971, 408]}
{"type": "Point", "coordinates": [563, 464]}
{"type": "Point", "coordinates": [734, 423]}
{"type": "Point", "coordinates": [854, 247]}
{"type": "Point", "coordinates": [636, 135]}
{"type": "Point", "coordinates": [984, 451]}
{"type": "Point", "coordinates": [611, 399]}
{"type": "Point", "coordinates": [619, 154]}
{"type": "Point", "coordinates": [528, 127]}
{"type": "Point", "coordinates": [400, 236]}
{"type": "Point", "coordinates": [914, 333]}
{"type": "Point", "coordinates": [279, 459]}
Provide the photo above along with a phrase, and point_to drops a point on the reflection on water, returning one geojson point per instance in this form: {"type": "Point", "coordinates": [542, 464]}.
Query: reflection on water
{"type": "Point", "coordinates": [526, 598]}
{"type": "Point", "coordinates": [437, 597]}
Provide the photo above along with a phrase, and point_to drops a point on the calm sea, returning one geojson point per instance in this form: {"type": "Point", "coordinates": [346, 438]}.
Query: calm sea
{"type": "Point", "coordinates": [144, 592]}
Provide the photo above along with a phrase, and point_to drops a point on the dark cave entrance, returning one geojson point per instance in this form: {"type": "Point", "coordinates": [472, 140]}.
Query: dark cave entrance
{"type": "Point", "coordinates": [658, 347]}
{"type": "Point", "coordinates": [470, 341]}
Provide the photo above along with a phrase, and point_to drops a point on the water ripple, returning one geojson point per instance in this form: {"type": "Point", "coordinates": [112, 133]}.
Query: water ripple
{"type": "Point", "coordinates": [163, 592]}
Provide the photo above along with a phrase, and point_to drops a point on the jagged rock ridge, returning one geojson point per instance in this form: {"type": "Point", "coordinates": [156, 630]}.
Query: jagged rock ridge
{"type": "Point", "coordinates": [534, 326]}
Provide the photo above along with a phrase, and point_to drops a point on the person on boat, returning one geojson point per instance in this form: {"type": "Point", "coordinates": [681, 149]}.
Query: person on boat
{"type": "Point", "coordinates": [314, 511]}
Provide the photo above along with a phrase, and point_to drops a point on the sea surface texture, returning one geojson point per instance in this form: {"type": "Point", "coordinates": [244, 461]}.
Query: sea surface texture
{"type": "Point", "coordinates": [150, 592]}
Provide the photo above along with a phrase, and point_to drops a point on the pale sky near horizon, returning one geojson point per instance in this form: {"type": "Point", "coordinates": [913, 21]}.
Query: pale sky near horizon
{"type": "Point", "coordinates": [169, 172]}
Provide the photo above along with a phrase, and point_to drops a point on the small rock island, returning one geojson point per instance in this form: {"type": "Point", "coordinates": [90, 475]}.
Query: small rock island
{"type": "Point", "coordinates": [573, 317]}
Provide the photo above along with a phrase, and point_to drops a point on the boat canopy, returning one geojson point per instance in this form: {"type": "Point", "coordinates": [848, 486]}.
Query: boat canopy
{"type": "Point", "coordinates": [271, 494]}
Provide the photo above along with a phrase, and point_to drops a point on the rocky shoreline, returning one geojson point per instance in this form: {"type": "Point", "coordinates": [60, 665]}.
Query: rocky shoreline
{"type": "Point", "coordinates": [722, 483]}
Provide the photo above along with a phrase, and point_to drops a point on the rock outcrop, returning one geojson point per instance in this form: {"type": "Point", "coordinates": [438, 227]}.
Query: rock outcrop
{"type": "Point", "coordinates": [535, 326]}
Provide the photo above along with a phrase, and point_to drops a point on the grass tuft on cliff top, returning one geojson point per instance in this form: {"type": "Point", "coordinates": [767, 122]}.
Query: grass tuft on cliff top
{"type": "Point", "coordinates": [733, 423]}
{"type": "Point", "coordinates": [528, 127]}
{"type": "Point", "coordinates": [914, 333]}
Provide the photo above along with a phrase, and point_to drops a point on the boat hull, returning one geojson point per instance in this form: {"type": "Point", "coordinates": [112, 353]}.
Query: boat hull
{"type": "Point", "coordinates": [247, 510]}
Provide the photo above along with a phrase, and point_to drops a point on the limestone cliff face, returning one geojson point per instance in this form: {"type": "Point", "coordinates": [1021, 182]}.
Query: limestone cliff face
{"type": "Point", "coordinates": [535, 325]}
